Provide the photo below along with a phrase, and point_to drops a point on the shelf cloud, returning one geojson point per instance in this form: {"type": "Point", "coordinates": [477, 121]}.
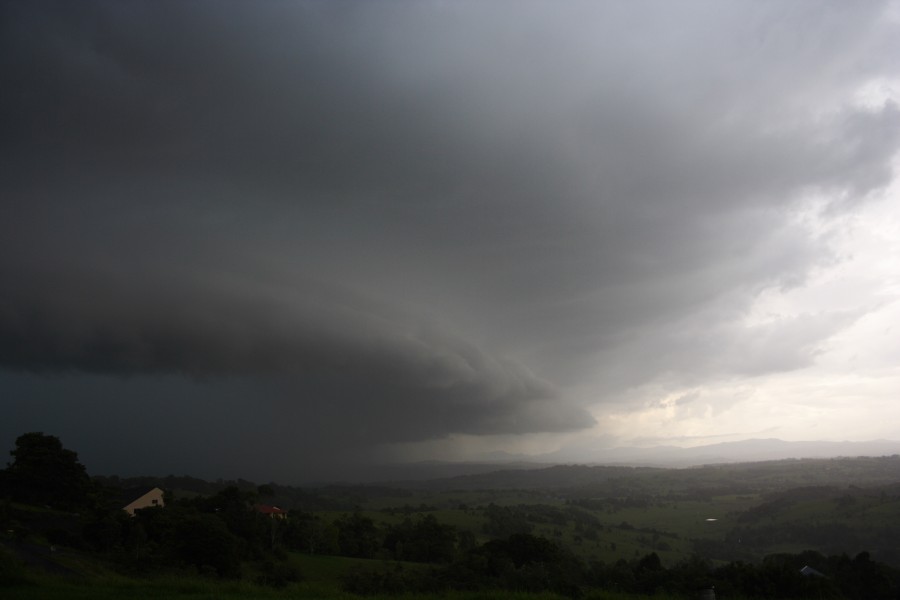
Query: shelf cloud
{"type": "Point", "coordinates": [399, 223]}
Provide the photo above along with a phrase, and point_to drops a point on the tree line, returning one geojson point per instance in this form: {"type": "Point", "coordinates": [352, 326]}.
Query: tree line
{"type": "Point", "coordinates": [218, 534]}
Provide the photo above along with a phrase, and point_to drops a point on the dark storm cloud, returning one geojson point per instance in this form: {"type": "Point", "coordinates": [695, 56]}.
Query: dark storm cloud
{"type": "Point", "coordinates": [437, 216]}
{"type": "Point", "coordinates": [404, 380]}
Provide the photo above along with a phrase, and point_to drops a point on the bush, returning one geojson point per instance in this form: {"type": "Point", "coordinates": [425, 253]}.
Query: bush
{"type": "Point", "coordinates": [365, 582]}
{"type": "Point", "coordinates": [12, 571]}
{"type": "Point", "coordinates": [279, 574]}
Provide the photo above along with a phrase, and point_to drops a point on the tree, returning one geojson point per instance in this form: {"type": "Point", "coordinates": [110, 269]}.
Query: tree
{"type": "Point", "coordinates": [358, 536]}
{"type": "Point", "coordinates": [204, 541]}
{"type": "Point", "coordinates": [525, 562]}
{"type": "Point", "coordinates": [424, 540]}
{"type": "Point", "coordinates": [43, 472]}
{"type": "Point", "coordinates": [235, 508]}
{"type": "Point", "coordinates": [307, 533]}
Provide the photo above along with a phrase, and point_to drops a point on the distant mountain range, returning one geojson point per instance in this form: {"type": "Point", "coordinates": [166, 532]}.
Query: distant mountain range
{"type": "Point", "coordinates": [752, 450]}
{"type": "Point", "coordinates": [743, 451]}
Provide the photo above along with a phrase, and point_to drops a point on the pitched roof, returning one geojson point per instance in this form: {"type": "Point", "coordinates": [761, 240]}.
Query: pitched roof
{"type": "Point", "coordinates": [129, 495]}
{"type": "Point", "coordinates": [270, 510]}
{"type": "Point", "coordinates": [807, 571]}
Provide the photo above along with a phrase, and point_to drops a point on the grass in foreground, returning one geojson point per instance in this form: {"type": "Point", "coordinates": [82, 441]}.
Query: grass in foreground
{"type": "Point", "coordinates": [200, 589]}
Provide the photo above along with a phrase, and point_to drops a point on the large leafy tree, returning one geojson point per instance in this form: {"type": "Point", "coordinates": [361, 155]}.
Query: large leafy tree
{"type": "Point", "coordinates": [43, 472]}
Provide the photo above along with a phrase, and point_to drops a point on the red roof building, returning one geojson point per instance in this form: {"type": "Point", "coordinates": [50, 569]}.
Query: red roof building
{"type": "Point", "coordinates": [272, 511]}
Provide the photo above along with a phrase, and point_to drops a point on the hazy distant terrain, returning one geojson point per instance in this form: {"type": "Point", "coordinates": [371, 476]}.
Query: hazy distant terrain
{"type": "Point", "coordinates": [752, 450]}
{"type": "Point", "coordinates": [742, 451]}
{"type": "Point", "coordinates": [723, 512]}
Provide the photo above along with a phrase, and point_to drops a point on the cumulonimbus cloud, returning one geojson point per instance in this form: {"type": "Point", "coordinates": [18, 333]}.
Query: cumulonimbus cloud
{"type": "Point", "coordinates": [579, 188]}
{"type": "Point", "coordinates": [400, 374]}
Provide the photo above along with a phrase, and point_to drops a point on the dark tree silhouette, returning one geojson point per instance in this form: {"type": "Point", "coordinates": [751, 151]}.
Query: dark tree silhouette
{"type": "Point", "coordinates": [43, 472]}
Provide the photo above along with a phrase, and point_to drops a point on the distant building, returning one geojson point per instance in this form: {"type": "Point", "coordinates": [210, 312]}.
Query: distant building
{"type": "Point", "coordinates": [272, 511]}
{"type": "Point", "coordinates": [138, 498]}
{"type": "Point", "coordinates": [808, 571]}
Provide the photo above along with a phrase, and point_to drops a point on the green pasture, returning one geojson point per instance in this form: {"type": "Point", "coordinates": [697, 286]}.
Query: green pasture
{"type": "Point", "coordinates": [320, 570]}
{"type": "Point", "coordinates": [665, 527]}
{"type": "Point", "coordinates": [879, 512]}
{"type": "Point", "coordinates": [455, 498]}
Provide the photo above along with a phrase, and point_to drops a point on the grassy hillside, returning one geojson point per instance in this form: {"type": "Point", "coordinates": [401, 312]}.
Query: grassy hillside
{"type": "Point", "coordinates": [322, 581]}
{"type": "Point", "coordinates": [852, 506]}
{"type": "Point", "coordinates": [629, 530]}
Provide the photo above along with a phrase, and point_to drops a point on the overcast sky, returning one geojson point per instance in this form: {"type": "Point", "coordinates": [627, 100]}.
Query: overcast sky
{"type": "Point", "coordinates": [274, 240]}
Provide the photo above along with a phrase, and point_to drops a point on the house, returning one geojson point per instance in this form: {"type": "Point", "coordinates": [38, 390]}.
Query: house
{"type": "Point", "coordinates": [808, 571]}
{"type": "Point", "coordinates": [138, 498]}
{"type": "Point", "coordinates": [272, 511]}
